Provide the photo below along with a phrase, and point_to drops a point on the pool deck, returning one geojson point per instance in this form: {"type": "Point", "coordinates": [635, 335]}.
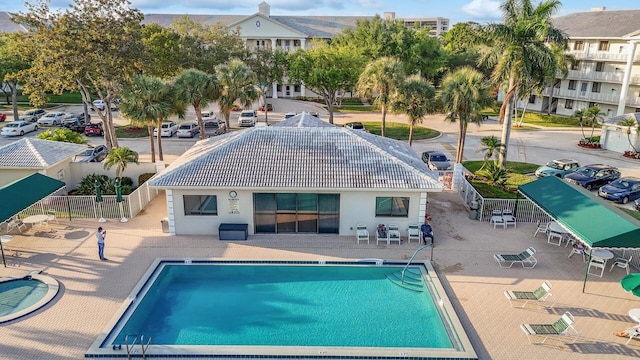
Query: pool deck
{"type": "Point", "coordinates": [91, 291]}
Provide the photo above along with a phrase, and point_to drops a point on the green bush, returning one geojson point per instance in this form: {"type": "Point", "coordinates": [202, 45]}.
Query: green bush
{"type": "Point", "coordinates": [126, 181]}
{"type": "Point", "coordinates": [107, 185]}
{"type": "Point", "coordinates": [144, 177]}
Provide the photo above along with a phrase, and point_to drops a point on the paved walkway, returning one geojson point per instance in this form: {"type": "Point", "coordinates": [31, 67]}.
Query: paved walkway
{"type": "Point", "coordinates": [92, 290]}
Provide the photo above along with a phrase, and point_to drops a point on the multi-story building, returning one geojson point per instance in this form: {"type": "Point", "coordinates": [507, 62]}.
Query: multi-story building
{"type": "Point", "coordinates": [606, 72]}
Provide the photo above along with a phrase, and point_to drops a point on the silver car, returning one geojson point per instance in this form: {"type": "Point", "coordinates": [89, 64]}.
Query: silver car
{"type": "Point", "coordinates": [188, 130]}
{"type": "Point", "coordinates": [52, 118]}
{"type": "Point", "coordinates": [18, 128]}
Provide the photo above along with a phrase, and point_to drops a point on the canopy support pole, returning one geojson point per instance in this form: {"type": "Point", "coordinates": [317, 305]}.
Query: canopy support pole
{"type": "Point", "coordinates": [586, 271]}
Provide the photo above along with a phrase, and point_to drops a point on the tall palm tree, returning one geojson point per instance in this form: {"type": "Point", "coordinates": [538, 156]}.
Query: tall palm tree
{"type": "Point", "coordinates": [120, 157]}
{"type": "Point", "coordinates": [629, 123]}
{"type": "Point", "coordinates": [580, 114]}
{"type": "Point", "coordinates": [415, 98]}
{"type": "Point", "coordinates": [198, 89]}
{"type": "Point", "coordinates": [237, 82]}
{"type": "Point", "coordinates": [382, 77]}
{"type": "Point", "coordinates": [522, 47]}
{"type": "Point", "coordinates": [594, 116]}
{"type": "Point", "coordinates": [491, 147]}
{"type": "Point", "coordinates": [144, 102]}
{"type": "Point", "coordinates": [464, 93]}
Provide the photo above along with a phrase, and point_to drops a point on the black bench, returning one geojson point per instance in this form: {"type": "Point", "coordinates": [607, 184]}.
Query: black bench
{"type": "Point", "coordinates": [233, 231]}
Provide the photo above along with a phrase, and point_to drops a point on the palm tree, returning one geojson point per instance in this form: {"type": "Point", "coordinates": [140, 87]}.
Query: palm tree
{"type": "Point", "coordinates": [594, 116]}
{"type": "Point", "coordinates": [522, 47]}
{"type": "Point", "coordinates": [237, 82]}
{"type": "Point", "coordinates": [491, 147]}
{"type": "Point", "coordinates": [144, 102]}
{"type": "Point", "coordinates": [120, 157]}
{"type": "Point", "coordinates": [198, 89]}
{"type": "Point", "coordinates": [382, 77]}
{"type": "Point", "coordinates": [464, 93]}
{"type": "Point", "coordinates": [629, 123]}
{"type": "Point", "coordinates": [580, 115]}
{"type": "Point", "coordinates": [415, 98]}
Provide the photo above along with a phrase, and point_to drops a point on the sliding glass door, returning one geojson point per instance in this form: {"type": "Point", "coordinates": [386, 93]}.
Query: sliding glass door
{"type": "Point", "coordinates": [296, 213]}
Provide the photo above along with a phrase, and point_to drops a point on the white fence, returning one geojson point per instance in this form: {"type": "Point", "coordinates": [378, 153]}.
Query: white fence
{"type": "Point", "coordinates": [84, 207]}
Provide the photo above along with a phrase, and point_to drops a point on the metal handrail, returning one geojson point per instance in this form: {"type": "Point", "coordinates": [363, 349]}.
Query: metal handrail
{"type": "Point", "coordinates": [414, 255]}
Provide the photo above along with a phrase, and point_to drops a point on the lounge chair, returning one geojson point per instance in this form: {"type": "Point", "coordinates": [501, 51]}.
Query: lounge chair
{"type": "Point", "coordinates": [525, 258]}
{"type": "Point", "coordinates": [538, 295]}
{"type": "Point", "coordinates": [497, 219]}
{"type": "Point", "coordinates": [560, 327]}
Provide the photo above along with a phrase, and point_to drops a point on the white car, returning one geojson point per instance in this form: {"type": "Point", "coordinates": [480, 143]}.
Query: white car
{"type": "Point", "coordinates": [52, 118]}
{"type": "Point", "coordinates": [188, 129]}
{"type": "Point", "coordinates": [18, 128]}
{"type": "Point", "coordinates": [248, 118]}
{"type": "Point", "coordinates": [100, 105]}
{"type": "Point", "coordinates": [169, 128]}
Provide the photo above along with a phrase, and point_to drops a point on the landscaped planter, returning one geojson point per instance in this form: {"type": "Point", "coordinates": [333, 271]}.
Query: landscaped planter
{"type": "Point", "coordinates": [589, 145]}
{"type": "Point", "coordinates": [631, 154]}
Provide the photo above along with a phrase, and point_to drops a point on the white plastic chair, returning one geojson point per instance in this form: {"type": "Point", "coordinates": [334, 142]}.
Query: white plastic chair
{"type": "Point", "coordinates": [382, 234]}
{"type": "Point", "coordinates": [413, 233]}
{"type": "Point", "coordinates": [362, 234]}
{"type": "Point", "coordinates": [51, 216]}
{"type": "Point", "coordinates": [622, 263]}
{"type": "Point", "coordinates": [16, 224]}
{"type": "Point", "coordinates": [551, 236]}
{"type": "Point", "coordinates": [543, 227]}
{"type": "Point", "coordinates": [394, 234]}
{"type": "Point", "coordinates": [579, 252]}
{"type": "Point", "coordinates": [508, 218]}
{"type": "Point", "coordinates": [497, 219]}
{"type": "Point", "coordinates": [597, 264]}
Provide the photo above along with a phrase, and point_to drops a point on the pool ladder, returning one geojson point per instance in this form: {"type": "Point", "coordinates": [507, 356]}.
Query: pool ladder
{"type": "Point", "coordinates": [130, 347]}
{"type": "Point", "coordinates": [410, 279]}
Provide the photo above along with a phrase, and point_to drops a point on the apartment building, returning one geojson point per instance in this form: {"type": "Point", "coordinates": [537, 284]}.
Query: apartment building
{"type": "Point", "coordinates": [607, 68]}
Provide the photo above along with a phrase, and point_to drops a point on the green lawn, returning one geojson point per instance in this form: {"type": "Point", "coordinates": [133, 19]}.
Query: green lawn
{"type": "Point", "coordinates": [400, 131]}
{"type": "Point", "coordinates": [355, 108]}
{"type": "Point", "coordinates": [633, 213]}
{"type": "Point", "coordinates": [548, 120]}
{"type": "Point", "coordinates": [128, 132]}
{"type": "Point", "coordinates": [516, 177]}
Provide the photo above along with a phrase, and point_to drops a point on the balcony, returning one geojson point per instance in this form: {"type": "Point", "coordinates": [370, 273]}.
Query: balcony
{"type": "Point", "coordinates": [603, 55]}
{"type": "Point", "coordinates": [595, 97]}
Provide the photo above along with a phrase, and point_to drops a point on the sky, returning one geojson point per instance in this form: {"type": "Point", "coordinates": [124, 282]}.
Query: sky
{"type": "Point", "coordinates": [481, 11]}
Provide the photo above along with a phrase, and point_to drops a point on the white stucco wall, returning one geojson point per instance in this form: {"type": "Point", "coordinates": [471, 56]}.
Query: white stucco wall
{"type": "Point", "coordinates": [355, 208]}
{"type": "Point", "coordinates": [77, 171]}
{"type": "Point", "coordinates": [8, 176]}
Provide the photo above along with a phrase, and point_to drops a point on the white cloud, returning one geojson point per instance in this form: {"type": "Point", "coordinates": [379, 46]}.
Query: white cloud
{"type": "Point", "coordinates": [483, 10]}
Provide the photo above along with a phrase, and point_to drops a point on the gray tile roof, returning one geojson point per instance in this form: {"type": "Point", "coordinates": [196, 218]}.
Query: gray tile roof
{"type": "Point", "coordinates": [310, 26]}
{"type": "Point", "coordinates": [36, 153]}
{"type": "Point", "coordinates": [599, 24]}
{"type": "Point", "coordinates": [6, 25]}
{"type": "Point", "coordinates": [303, 152]}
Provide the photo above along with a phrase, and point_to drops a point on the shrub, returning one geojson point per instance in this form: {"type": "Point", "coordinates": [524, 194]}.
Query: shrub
{"type": "Point", "coordinates": [126, 181]}
{"type": "Point", "coordinates": [144, 177]}
{"type": "Point", "coordinates": [86, 186]}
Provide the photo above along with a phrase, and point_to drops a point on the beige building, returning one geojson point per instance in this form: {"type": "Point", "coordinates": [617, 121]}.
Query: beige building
{"type": "Point", "coordinates": [607, 70]}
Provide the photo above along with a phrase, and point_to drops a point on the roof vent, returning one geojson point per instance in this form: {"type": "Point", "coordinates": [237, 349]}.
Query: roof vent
{"type": "Point", "coordinates": [599, 8]}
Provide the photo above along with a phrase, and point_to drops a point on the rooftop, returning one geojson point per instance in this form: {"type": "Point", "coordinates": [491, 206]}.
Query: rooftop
{"type": "Point", "coordinates": [600, 24]}
{"type": "Point", "coordinates": [36, 153]}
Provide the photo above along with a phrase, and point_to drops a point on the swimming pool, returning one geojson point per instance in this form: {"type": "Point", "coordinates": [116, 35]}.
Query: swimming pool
{"type": "Point", "coordinates": [286, 309]}
{"type": "Point", "coordinates": [22, 296]}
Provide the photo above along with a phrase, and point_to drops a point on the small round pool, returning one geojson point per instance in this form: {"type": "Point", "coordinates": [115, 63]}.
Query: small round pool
{"type": "Point", "coordinates": [22, 296]}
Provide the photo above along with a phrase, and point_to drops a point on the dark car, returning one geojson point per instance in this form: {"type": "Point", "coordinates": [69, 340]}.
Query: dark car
{"type": "Point", "coordinates": [355, 126]}
{"type": "Point", "coordinates": [621, 190]}
{"type": "Point", "coordinates": [76, 125]}
{"type": "Point", "coordinates": [94, 129]}
{"type": "Point", "coordinates": [636, 204]}
{"type": "Point", "coordinates": [436, 160]}
{"type": "Point", "coordinates": [593, 176]}
{"type": "Point", "coordinates": [96, 154]}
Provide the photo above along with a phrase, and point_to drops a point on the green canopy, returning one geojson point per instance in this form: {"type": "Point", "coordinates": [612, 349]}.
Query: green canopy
{"type": "Point", "coordinates": [584, 214]}
{"type": "Point", "coordinates": [25, 192]}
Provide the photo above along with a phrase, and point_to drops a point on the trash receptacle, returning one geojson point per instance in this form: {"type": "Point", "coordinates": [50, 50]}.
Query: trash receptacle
{"type": "Point", "coordinates": [473, 214]}
{"type": "Point", "coordinates": [165, 225]}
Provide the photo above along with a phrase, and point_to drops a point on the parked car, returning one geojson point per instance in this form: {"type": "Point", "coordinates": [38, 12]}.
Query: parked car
{"type": "Point", "coordinates": [3, 117]}
{"type": "Point", "coordinates": [621, 190]}
{"type": "Point", "coordinates": [288, 115]}
{"type": "Point", "coordinates": [248, 118]}
{"type": "Point", "coordinates": [169, 128]}
{"type": "Point", "coordinates": [355, 126]}
{"type": "Point", "coordinates": [269, 107]}
{"type": "Point", "coordinates": [207, 114]}
{"type": "Point", "coordinates": [70, 118]}
{"type": "Point", "coordinates": [94, 129]}
{"type": "Point", "coordinates": [18, 128]}
{"type": "Point", "coordinates": [101, 105]}
{"type": "Point", "coordinates": [593, 176]}
{"type": "Point", "coordinates": [188, 129]}
{"type": "Point", "coordinates": [636, 204]}
{"type": "Point", "coordinates": [436, 160]}
{"type": "Point", "coordinates": [51, 119]}
{"type": "Point", "coordinates": [33, 114]}
{"type": "Point", "coordinates": [94, 154]}
{"type": "Point", "coordinates": [558, 168]}
{"type": "Point", "coordinates": [76, 125]}
{"type": "Point", "coordinates": [216, 126]}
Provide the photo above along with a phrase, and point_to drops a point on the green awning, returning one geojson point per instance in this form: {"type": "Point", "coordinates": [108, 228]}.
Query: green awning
{"type": "Point", "coordinates": [25, 192]}
{"type": "Point", "coordinates": [593, 220]}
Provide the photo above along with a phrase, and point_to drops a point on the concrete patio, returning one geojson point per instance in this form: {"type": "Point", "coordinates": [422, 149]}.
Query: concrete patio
{"type": "Point", "coordinates": [92, 290]}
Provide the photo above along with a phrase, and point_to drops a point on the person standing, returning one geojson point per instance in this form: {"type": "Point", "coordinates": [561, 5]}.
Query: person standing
{"type": "Point", "coordinates": [100, 234]}
{"type": "Point", "coordinates": [427, 231]}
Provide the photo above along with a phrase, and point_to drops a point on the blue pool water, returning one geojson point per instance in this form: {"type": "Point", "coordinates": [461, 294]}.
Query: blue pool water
{"type": "Point", "coordinates": [20, 294]}
{"type": "Point", "coordinates": [285, 305]}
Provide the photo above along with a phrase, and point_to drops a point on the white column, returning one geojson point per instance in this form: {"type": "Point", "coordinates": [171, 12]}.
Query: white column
{"type": "Point", "coordinates": [627, 77]}
{"type": "Point", "coordinates": [303, 90]}
{"type": "Point", "coordinates": [274, 91]}
{"type": "Point", "coordinates": [273, 44]}
{"type": "Point", "coordinates": [303, 43]}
